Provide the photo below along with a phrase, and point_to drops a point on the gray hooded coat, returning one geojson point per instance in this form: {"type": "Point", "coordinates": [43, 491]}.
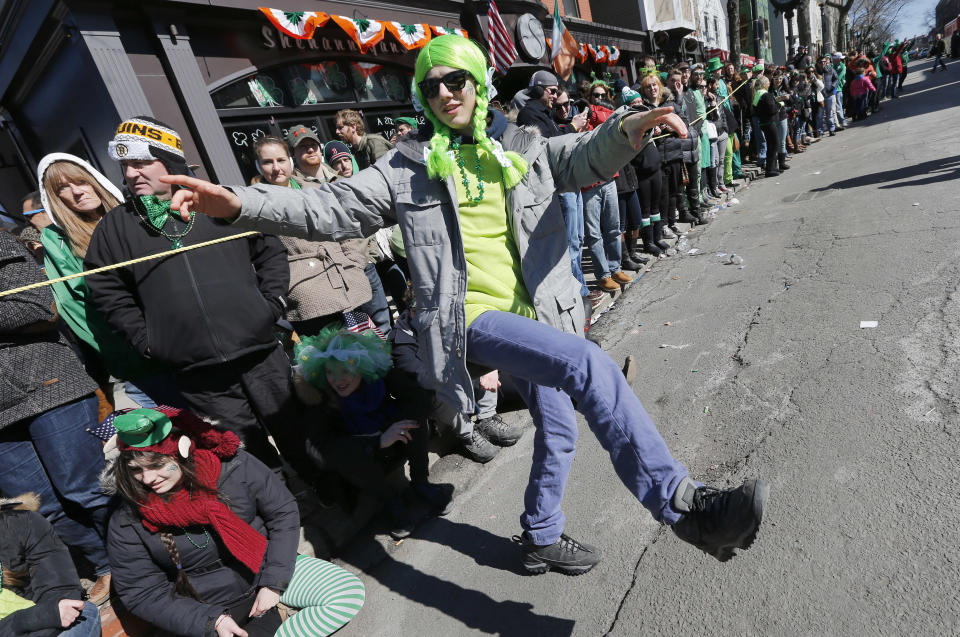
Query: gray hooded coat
{"type": "Point", "coordinates": [396, 189]}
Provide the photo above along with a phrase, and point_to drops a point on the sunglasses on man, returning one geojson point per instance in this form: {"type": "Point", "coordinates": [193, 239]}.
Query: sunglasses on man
{"type": "Point", "coordinates": [454, 81]}
{"type": "Point", "coordinates": [599, 95]}
{"type": "Point", "coordinates": [561, 107]}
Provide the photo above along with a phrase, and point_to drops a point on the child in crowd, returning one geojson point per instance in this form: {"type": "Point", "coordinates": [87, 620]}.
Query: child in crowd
{"type": "Point", "coordinates": [860, 90]}
{"type": "Point", "coordinates": [39, 587]}
{"type": "Point", "coordinates": [205, 540]}
{"type": "Point", "coordinates": [355, 372]}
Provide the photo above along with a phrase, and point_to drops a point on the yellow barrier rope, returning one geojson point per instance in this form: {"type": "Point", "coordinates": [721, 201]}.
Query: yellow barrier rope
{"type": "Point", "coordinates": [124, 264]}
{"type": "Point", "coordinates": [722, 102]}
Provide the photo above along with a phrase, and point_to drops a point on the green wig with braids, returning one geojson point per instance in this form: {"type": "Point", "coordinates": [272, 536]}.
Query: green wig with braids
{"type": "Point", "coordinates": [365, 354]}
{"type": "Point", "coordinates": [460, 53]}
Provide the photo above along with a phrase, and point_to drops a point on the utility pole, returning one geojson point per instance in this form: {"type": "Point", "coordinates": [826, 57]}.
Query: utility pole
{"type": "Point", "coordinates": [756, 28]}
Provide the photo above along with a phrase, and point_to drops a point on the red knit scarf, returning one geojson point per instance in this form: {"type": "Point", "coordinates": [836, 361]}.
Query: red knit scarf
{"type": "Point", "coordinates": [203, 508]}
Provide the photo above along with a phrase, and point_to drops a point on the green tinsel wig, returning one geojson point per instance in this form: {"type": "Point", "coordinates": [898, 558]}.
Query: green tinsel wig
{"type": "Point", "coordinates": [460, 53]}
{"type": "Point", "coordinates": [365, 354]}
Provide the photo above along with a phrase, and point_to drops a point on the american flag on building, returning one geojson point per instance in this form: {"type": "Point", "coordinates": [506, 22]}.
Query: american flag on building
{"type": "Point", "coordinates": [503, 52]}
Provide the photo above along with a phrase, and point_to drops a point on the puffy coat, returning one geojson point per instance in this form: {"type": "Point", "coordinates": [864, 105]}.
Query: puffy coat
{"type": "Point", "coordinates": [29, 544]}
{"type": "Point", "coordinates": [536, 114]}
{"type": "Point", "coordinates": [675, 148]}
{"type": "Point", "coordinates": [38, 370]}
{"type": "Point", "coordinates": [204, 307]}
{"type": "Point", "coordinates": [397, 189]}
{"type": "Point", "coordinates": [144, 575]}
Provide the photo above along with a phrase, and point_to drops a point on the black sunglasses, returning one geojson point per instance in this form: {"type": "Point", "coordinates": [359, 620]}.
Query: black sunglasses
{"type": "Point", "coordinates": [560, 107]}
{"type": "Point", "coordinates": [599, 94]}
{"type": "Point", "coordinates": [454, 81]}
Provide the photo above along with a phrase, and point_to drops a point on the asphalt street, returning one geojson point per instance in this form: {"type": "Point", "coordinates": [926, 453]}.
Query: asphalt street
{"type": "Point", "coordinates": [760, 370]}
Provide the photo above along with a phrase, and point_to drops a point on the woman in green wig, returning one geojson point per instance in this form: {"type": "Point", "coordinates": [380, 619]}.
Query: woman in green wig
{"type": "Point", "coordinates": [487, 250]}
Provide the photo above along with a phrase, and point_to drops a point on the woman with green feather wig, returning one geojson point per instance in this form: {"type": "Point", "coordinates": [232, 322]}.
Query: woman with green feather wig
{"type": "Point", "coordinates": [486, 244]}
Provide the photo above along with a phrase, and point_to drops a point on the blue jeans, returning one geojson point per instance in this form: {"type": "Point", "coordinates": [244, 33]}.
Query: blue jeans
{"type": "Point", "coordinates": [376, 308]}
{"type": "Point", "coordinates": [159, 389]}
{"type": "Point", "coordinates": [601, 220]}
{"type": "Point", "coordinates": [828, 123]}
{"type": "Point", "coordinates": [760, 141]}
{"type": "Point", "coordinates": [87, 625]}
{"type": "Point", "coordinates": [782, 126]}
{"type": "Point", "coordinates": [841, 117]}
{"type": "Point", "coordinates": [936, 61]}
{"type": "Point", "coordinates": [549, 368]}
{"type": "Point", "coordinates": [55, 457]}
{"type": "Point", "coordinates": [571, 203]}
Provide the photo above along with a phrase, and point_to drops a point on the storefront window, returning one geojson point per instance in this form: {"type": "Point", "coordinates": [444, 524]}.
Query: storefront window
{"type": "Point", "coordinates": [316, 83]}
{"type": "Point", "coordinates": [258, 90]}
{"type": "Point", "coordinates": [375, 83]}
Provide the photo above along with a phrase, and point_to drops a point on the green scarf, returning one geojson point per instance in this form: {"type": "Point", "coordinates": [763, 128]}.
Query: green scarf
{"type": "Point", "coordinates": [757, 96]}
{"type": "Point", "coordinates": [158, 210]}
{"type": "Point", "coordinates": [293, 184]}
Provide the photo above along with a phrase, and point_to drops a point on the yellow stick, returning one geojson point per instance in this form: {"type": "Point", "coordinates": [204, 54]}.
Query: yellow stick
{"type": "Point", "coordinates": [722, 102]}
{"type": "Point", "coordinates": [124, 264]}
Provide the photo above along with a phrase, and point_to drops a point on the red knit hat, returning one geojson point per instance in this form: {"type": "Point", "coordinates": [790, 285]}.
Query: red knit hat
{"type": "Point", "coordinates": [223, 444]}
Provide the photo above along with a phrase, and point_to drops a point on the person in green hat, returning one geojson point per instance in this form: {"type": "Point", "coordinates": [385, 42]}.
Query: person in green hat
{"type": "Point", "coordinates": [405, 125]}
{"type": "Point", "coordinates": [204, 538]}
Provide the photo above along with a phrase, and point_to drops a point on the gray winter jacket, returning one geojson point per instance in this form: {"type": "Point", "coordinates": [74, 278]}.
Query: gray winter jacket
{"type": "Point", "coordinates": [397, 190]}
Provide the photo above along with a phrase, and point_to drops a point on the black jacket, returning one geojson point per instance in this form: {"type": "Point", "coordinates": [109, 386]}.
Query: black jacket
{"type": "Point", "coordinates": [204, 307]}
{"type": "Point", "coordinates": [767, 109]}
{"type": "Point", "coordinates": [38, 370]}
{"type": "Point", "coordinates": [674, 148]}
{"type": "Point", "coordinates": [143, 574]}
{"type": "Point", "coordinates": [28, 543]}
{"type": "Point", "coordinates": [535, 113]}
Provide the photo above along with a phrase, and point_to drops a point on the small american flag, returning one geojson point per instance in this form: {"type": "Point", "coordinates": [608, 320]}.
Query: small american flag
{"type": "Point", "coordinates": [503, 52]}
{"type": "Point", "coordinates": [358, 322]}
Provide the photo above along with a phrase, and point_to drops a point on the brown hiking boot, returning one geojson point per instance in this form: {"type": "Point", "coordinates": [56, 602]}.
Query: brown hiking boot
{"type": "Point", "coordinates": [622, 277]}
{"type": "Point", "coordinates": [99, 593]}
{"type": "Point", "coordinates": [608, 284]}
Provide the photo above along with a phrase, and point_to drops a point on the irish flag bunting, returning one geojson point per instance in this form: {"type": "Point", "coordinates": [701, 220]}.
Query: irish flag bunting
{"type": "Point", "coordinates": [366, 33]}
{"type": "Point", "coordinates": [582, 54]}
{"type": "Point", "coordinates": [598, 53]}
{"type": "Point", "coordinates": [296, 24]}
{"type": "Point", "coordinates": [445, 31]}
{"type": "Point", "coordinates": [613, 54]}
{"type": "Point", "coordinates": [366, 69]}
{"type": "Point", "coordinates": [411, 36]}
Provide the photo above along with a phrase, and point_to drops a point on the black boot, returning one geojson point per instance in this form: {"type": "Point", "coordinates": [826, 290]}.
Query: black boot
{"type": "Point", "coordinates": [635, 255]}
{"type": "Point", "coordinates": [646, 235]}
{"type": "Point", "coordinates": [565, 555]}
{"type": "Point", "coordinates": [782, 161]}
{"type": "Point", "coordinates": [719, 522]}
{"type": "Point", "coordinates": [627, 262]}
{"type": "Point", "coordinates": [658, 239]}
{"type": "Point", "coordinates": [712, 183]}
{"type": "Point", "coordinates": [685, 216]}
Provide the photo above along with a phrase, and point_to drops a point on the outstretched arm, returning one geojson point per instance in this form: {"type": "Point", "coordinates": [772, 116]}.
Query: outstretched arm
{"type": "Point", "coordinates": [577, 161]}
{"type": "Point", "coordinates": [345, 209]}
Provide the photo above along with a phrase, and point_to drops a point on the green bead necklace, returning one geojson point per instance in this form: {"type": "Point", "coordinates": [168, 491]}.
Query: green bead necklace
{"type": "Point", "coordinates": [463, 173]}
{"type": "Point", "coordinates": [157, 214]}
{"type": "Point", "coordinates": [206, 541]}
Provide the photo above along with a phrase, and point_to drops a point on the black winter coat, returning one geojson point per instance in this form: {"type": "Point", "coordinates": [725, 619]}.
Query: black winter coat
{"type": "Point", "coordinates": [675, 148]}
{"type": "Point", "coordinates": [204, 307]}
{"type": "Point", "coordinates": [536, 114]}
{"type": "Point", "coordinates": [28, 543]}
{"type": "Point", "coordinates": [767, 109]}
{"type": "Point", "coordinates": [38, 370]}
{"type": "Point", "coordinates": [144, 575]}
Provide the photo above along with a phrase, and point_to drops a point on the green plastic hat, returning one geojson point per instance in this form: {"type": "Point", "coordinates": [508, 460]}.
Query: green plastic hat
{"type": "Point", "coordinates": [714, 64]}
{"type": "Point", "coordinates": [142, 427]}
{"type": "Point", "coordinates": [409, 121]}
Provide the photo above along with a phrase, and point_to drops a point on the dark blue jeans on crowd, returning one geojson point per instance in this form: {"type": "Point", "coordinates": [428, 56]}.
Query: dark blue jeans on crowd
{"type": "Point", "coordinates": [571, 203]}
{"type": "Point", "coordinates": [760, 147]}
{"type": "Point", "coordinates": [549, 368]}
{"type": "Point", "coordinates": [54, 456]}
{"type": "Point", "coordinates": [376, 308]}
{"type": "Point", "coordinates": [87, 625]}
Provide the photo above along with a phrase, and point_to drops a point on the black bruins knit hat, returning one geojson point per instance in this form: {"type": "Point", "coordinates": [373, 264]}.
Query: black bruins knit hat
{"type": "Point", "coordinates": [145, 138]}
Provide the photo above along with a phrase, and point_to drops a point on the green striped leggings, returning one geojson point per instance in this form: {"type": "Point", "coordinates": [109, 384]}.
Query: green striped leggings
{"type": "Point", "coordinates": [327, 596]}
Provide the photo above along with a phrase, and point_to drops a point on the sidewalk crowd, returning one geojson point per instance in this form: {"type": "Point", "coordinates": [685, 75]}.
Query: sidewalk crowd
{"type": "Point", "coordinates": [157, 418]}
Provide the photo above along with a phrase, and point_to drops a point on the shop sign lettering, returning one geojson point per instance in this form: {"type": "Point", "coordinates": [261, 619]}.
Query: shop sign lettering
{"type": "Point", "coordinates": [272, 39]}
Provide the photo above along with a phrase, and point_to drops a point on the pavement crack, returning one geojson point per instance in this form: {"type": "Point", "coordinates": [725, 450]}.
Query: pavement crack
{"type": "Point", "coordinates": [633, 582]}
